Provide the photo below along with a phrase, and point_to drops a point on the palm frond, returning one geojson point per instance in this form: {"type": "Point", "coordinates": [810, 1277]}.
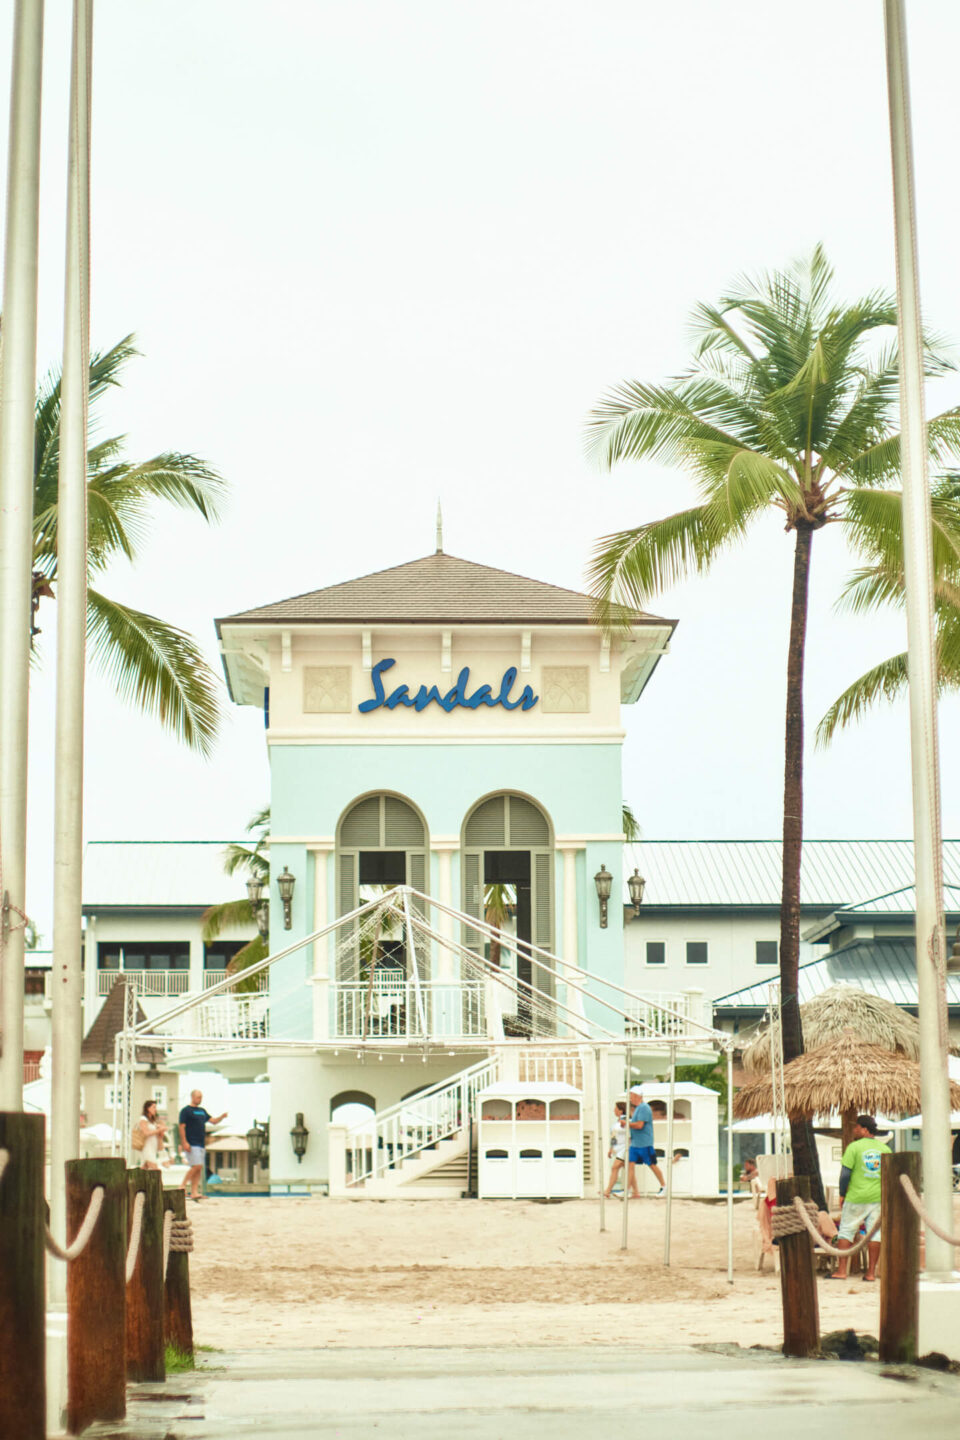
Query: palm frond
{"type": "Point", "coordinates": [157, 667]}
{"type": "Point", "coordinates": [627, 568]}
{"type": "Point", "coordinates": [885, 681]}
{"type": "Point", "coordinates": [230, 915]}
{"type": "Point", "coordinates": [631, 825]}
{"type": "Point", "coordinates": [241, 857]}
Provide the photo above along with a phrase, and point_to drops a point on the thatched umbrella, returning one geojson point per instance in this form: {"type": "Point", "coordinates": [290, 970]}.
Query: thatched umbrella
{"type": "Point", "coordinates": [845, 1007]}
{"type": "Point", "coordinates": [846, 1075]}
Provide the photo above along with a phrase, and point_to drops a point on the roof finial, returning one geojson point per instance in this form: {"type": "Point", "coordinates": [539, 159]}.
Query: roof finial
{"type": "Point", "coordinates": [439, 528]}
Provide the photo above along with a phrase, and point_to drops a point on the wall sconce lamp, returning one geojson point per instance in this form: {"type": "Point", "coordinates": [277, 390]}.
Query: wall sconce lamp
{"type": "Point", "coordinates": [299, 1135]}
{"type": "Point", "coordinates": [285, 884]}
{"type": "Point", "coordinates": [604, 883]}
{"type": "Point", "coordinates": [258, 1142]}
{"type": "Point", "coordinates": [636, 885]}
{"type": "Point", "coordinates": [953, 960]}
{"type": "Point", "coordinates": [259, 906]}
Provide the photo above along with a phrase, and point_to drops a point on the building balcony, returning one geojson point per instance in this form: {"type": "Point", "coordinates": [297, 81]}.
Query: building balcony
{"type": "Point", "coordinates": [259, 982]}
{"type": "Point", "coordinates": [666, 1014]}
{"type": "Point", "coordinates": [226, 1017]}
{"type": "Point", "coordinates": [400, 1009]}
{"type": "Point", "coordinates": [146, 982]}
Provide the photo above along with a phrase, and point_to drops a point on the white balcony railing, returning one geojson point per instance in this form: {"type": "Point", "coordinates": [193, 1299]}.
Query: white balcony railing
{"type": "Point", "coordinates": [229, 1017]}
{"type": "Point", "coordinates": [672, 1014]}
{"type": "Point", "coordinates": [260, 982]}
{"type": "Point", "coordinates": [446, 1009]}
{"type": "Point", "coordinates": [146, 982]}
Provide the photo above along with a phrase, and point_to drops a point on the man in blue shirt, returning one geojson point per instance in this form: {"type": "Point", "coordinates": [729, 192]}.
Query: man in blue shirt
{"type": "Point", "coordinates": [642, 1151]}
{"type": "Point", "coordinates": [193, 1140]}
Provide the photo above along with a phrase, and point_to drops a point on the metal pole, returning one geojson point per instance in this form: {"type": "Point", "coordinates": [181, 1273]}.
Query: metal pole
{"type": "Point", "coordinates": [730, 1166]}
{"type": "Point", "coordinates": [668, 1158]}
{"type": "Point", "coordinates": [921, 664]}
{"type": "Point", "coordinates": [18, 380]}
{"type": "Point", "coordinates": [626, 1156]}
{"type": "Point", "coordinates": [71, 647]}
{"type": "Point", "coordinates": [601, 1168]}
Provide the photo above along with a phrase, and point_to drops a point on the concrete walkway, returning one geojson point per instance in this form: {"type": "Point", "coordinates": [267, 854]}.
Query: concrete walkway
{"type": "Point", "coordinates": [563, 1392]}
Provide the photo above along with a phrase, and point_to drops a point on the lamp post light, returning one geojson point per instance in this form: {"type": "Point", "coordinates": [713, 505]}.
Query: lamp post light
{"type": "Point", "coordinates": [254, 894]}
{"type": "Point", "coordinates": [299, 1135]}
{"type": "Point", "coordinates": [285, 884]}
{"type": "Point", "coordinates": [604, 883]}
{"type": "Point", "coordinates": [258, 1143]}
{"type": "Point", "coordinates": [636, 885]}
{"type": "Point", "coordinates": [262, 917]}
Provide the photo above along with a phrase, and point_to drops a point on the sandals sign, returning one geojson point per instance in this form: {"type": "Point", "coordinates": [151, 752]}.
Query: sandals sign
{"type": "Point", "coordinates": [451, 699]}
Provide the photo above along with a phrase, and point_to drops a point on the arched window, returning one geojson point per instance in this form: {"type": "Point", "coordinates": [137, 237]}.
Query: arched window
{"type": "Point", "coordinates": [507, 842]}
{"type": "Point", "coordinates": [381, 842]}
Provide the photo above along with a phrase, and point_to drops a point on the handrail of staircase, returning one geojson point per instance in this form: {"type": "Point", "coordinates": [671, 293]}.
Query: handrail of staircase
{"type": "Point", "coordinates": [387, 1122]}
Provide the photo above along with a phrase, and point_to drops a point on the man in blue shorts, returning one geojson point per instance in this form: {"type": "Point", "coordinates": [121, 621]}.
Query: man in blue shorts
{"type": "Point", "coordinates": [193, 1140]}
{"type": "Point", "coordinates": [642, 1151]}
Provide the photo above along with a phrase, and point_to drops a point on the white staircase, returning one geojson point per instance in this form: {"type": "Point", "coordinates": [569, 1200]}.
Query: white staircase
{"type": "Point", "coordinates": [420, 1142]}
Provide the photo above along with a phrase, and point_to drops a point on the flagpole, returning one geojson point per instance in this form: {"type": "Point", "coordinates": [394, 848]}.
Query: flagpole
{"type": "Point", "coordinates": [18, 382]}
{"type": "Point", "coordinates": [921, 665]}
{"type": "Point", "coordinates": [71, 644]}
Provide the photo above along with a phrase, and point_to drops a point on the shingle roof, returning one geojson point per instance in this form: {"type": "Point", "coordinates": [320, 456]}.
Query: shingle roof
{"type": "Point", "coordinates": [834, 873]}
{"type": "Point", "coordinates": [98, 1047]}
{"type": "Point", "coordinates": [435, 588]}
{"type": "Point", "coordinates": [886, 967]}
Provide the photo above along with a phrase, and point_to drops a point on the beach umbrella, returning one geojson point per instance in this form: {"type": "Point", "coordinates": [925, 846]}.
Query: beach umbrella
{"type": "Point", "coordinates": [846, 1075]}
{"type": "Point", "coordinates": [845, 1007]}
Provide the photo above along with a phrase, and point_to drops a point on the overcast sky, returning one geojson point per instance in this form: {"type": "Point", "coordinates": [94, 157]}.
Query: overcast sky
{"type": "Point", "coordinates": [377, 252]}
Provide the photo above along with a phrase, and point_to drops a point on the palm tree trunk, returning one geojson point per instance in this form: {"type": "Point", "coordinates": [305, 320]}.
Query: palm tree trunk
{"type": "Point", "coordinates": [805, 1161]}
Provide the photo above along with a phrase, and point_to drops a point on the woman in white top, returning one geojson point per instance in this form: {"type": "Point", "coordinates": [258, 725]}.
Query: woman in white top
{"type": "Point", "coordinates": [618, 1148]}
{"type": "Point", "coordinates": [153, 1131]}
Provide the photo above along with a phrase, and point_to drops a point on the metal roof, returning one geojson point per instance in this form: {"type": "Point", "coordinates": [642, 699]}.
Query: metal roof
{"type": "Point", "coordinates": [156, 874]}
{"type": "Point", "coordinates": [901, 902]}
{"type": "Point", "coordinates": [835, 873]}
{"type": "Point", "coordinates": [434, 589]}
{"type": "Point", "coordinates": [886, 967]}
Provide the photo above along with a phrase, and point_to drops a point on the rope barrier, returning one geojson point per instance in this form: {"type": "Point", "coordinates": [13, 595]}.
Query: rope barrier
{"type": "Point", "coordinates": [167, 1229]}
{"type": "Point", "coordinates": [4, 1158]}
{"type": "Point", "coordinates": [917, 1204]}
{"type": "Point", "coordinates": [133, 1249]}
{"type": "Point", "coordinates": [801, 1210]}
{"type": "Point", "coordinates": [784, 1221]}
{"type": "Point", "coordinates": [83, 1234]}
{"type": "Point", "coordinates": [181, 1237]}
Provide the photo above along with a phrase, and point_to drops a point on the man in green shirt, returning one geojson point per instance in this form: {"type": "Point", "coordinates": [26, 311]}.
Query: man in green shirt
{"type": "Point", "coordinates": [860, 1191]}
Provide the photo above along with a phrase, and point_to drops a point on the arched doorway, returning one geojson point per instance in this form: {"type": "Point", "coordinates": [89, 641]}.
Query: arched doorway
{"type": "Point", "coordinates": [382, 842]}
{"type": "Point", "coordinates": [507, 850]}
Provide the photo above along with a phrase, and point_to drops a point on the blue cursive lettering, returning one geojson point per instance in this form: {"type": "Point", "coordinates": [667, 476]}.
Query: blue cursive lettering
{"type": "Point", "coordinates": [457, 695]}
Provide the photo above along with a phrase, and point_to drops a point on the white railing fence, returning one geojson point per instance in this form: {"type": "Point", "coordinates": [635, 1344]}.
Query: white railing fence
{"type": "Point", "coordinates": [542, 1068]}
{"type": "Point", "coordinates": [259, 982]}
{"type": "Point", "coordinates": [146, 982]}
{"type": "Point", "coordinates": [670, 1014]}
{"type": "Point", "coordinates": [382, 1143]}
{"type": "Point", "coordinates": [451, 1009]}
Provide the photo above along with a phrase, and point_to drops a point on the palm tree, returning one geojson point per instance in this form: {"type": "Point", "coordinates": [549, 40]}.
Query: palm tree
{"type": "Point", "coordinates": [253, 861]}
{"type": "Point", "coordinates": [882, 583]}
{"type": "Point", "coordinates": [157, 666]}
{"type": "Point", "coordinates": [788, 407]}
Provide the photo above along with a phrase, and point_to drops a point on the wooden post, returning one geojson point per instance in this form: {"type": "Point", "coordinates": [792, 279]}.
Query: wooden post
{"type": "Point", "coordinates": [96, 1296]}
{"type": "Point", "coordinates": [145, 1349]}
{"type": "Point", "coordinates": [23, 1399]}
{"type": "Point", "coordinates": [798, 1279]}
{"type": "Point", "coordinates": [178, 1320]}
{"type": "Point", "coordinates": [899, 1260]}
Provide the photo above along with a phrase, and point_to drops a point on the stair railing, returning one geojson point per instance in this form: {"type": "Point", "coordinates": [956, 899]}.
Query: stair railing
{"type": "Point", "coordinates": [398, 1133]}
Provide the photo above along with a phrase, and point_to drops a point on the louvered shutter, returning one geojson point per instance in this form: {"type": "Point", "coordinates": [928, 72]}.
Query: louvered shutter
{"type": "Point", "coordinates": [542, 919]}
{"type": "Point", "coordinates": [472, 897]}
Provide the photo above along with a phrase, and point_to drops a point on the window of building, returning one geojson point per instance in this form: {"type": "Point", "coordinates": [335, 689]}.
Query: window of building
{"type": "Point", "coordinates": [218, 955]}
{"type": "Point", "coordinates": [109, 1091]}
{"type": "Point", "coordinates": [33, 982]}
{"type": "Point", "coordinates": [656, 952]}
{"type": "Point", "coordinates": [159, 1093]}
{"type": "Point", "coordinates": [135, 955]}
{"type": "Point", "coordinates": [696, 952]}
{"type": "Point", "coordinates": [768, 952]}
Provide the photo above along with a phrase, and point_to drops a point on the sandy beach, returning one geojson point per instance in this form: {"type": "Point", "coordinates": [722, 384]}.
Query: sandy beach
{"type": "Point", "coordinates": [311, 1272]}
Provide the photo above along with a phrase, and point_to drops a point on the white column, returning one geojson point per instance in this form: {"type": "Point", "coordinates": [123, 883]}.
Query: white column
{"type": "Point", "coordinates": [570, 947]}
{"type": "Point", "coordinates": [321, 948]}
{"type": "Point", "coordinates": [444, 854]}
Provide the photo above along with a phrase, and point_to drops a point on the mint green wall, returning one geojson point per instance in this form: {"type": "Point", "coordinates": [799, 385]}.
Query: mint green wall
{"type": "Point", "coordinates": [579, 786]}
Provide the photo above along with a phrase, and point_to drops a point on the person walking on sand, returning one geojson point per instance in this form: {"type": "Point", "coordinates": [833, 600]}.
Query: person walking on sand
{"type": "Point", "coordinates": [153, 1131]}
{"type": "Point", "coordinates": [641, 1150]}
{"type": "Point", "coordinates": [860, 1192]}
{"type": "Point", "coordinates": [193, 1140]}
{"type": "Point", "coordinates": [618, 1148]}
